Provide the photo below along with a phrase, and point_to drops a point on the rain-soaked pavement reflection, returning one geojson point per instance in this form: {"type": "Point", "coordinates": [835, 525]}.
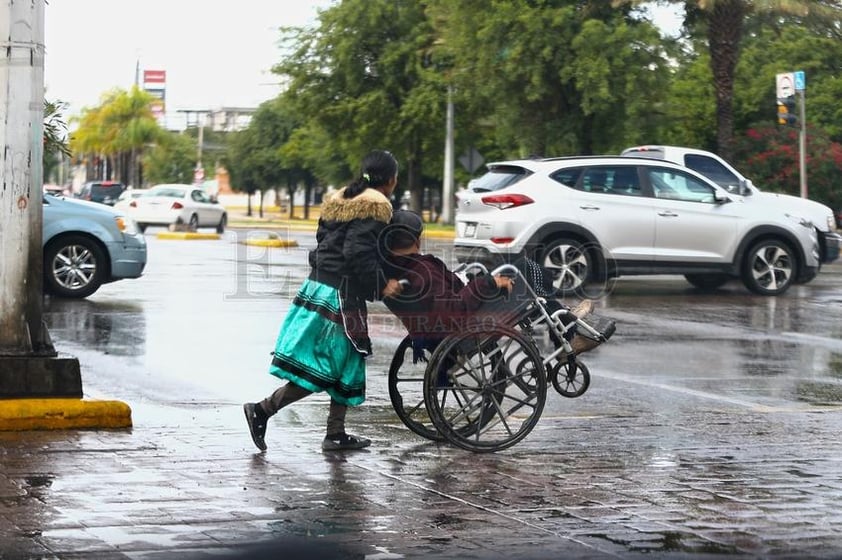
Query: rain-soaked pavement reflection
{"type": "Point", "coordinates": [710, 430]}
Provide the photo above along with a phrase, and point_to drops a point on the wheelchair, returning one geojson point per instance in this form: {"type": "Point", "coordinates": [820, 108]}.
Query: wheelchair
{"type": "Point", "coordinates": [483, 388]}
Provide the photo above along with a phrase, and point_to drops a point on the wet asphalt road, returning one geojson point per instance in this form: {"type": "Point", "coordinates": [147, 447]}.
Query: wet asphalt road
{"type": "Point", "coordinates": [710, 430]}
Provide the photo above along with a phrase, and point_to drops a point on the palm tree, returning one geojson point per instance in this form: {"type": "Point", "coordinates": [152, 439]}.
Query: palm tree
{"type": "Point", "coordinates": [723, 22]}
{"type": "Point", "coordinates": [129, 116]}
{"type": "Point", "coordinates": [119, 129]}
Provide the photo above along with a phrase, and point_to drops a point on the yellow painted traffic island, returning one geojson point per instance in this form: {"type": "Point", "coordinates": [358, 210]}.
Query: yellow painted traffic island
{"type": "Point", "coordinates": [63, 414]}
{"type": "Point", "coordinates": [268, 239]}
{"type": "Point", "coordinates": [182, 235]}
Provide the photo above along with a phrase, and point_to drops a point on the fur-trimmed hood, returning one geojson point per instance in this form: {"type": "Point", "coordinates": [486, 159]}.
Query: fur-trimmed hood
{"type": "Point", "coordinates": [370, 203]}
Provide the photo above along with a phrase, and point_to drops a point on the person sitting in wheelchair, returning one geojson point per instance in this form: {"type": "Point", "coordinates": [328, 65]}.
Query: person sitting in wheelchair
{"type": "Point", "coordinates": [435, 301]}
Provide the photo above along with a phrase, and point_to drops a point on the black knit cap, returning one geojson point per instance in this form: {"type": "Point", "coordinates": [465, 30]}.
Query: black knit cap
{"type": "Point", "coordinates": [409, 221]}
{"type": "Point", "coordinates": [403, 231]}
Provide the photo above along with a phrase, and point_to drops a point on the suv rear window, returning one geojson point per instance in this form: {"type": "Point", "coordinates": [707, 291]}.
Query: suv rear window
{"type": "Point", "coordinates": [499, 177]}
{"type": "Point", "coordinates": [105, 190]}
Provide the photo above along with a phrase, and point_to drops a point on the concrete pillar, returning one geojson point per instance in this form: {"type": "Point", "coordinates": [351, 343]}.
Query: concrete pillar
{"type": "Point", "coordinates": [29, 365]}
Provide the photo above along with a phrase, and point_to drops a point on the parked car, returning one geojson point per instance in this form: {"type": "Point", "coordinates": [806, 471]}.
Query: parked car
{"type": "Point", "coordinates": [124, 201]}
{"type": "Point", "coordinates": [177, 206]}
{"type": "Point", "coordinates": [104, 192]}
{"type": "Point", "coordinates": [56, 190]}
{"type": "Point", "coordinates": [593, 218]}
{"type": "Point", "coordinates": [87, 245]}
{"type": "Point", "coordinates": [725, 175]}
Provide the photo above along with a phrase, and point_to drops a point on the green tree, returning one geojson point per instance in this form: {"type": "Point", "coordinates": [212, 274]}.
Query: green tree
{"type": "Point", "coordinates": [254, 154]}
{"type": "Point", "coordinates": [118, 132]}
{"type": "Point", "coordinates": [722, 23]}
{"type": "Point", "coordinates": [307, 156]}
{"type": "Point", "coordinates": [365, 78]}
{"type": "Point", "coordinates": [554, 77]}
{"type": "Point", "coordinates": [795, 47]}
{"type": "Point", "coordinates": [171, 160]}
{"type": "Point", "coordinates": [56, 146]}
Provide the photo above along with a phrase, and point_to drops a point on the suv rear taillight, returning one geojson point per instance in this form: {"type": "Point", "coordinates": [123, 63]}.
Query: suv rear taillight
{"type": "Point", "coordinates": [505, 201]}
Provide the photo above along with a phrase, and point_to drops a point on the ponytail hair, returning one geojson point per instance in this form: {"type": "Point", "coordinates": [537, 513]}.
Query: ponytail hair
{"type": "Point", "coordinates": [378, 168]}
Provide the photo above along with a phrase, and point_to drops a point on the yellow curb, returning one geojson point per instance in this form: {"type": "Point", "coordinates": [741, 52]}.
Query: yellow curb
{"type": "Point", "coordinates": [439, 234]}
{"type": "Point", "coordinates": [63, 414]}
{"type": "Point", "coordinates": [270, 243]}
{"type": "Point", "coordinates": [186, 235]}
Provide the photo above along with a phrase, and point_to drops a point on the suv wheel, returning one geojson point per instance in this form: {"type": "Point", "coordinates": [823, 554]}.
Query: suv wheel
{"type": "Point", "coordinates": [74, 266]}
{"type": "Point", "coordinates": [769, 268]}
{"type": "Point", "coordinates": [707, 281]}
{"type": "Point", "coordinates": [569, 265]}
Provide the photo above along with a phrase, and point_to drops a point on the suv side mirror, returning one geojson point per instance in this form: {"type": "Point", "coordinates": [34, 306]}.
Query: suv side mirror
{"type": "Point", "coordinates": [721, 197]}
{"type": "Point", "coordinates": [745, 187]}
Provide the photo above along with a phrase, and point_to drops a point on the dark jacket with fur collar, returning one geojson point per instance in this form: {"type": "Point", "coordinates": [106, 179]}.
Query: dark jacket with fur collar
{"type": "Point", "coordinates": [347, 256]}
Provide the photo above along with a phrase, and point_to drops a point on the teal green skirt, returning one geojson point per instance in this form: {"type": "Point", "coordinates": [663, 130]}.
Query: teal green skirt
{"type": "Point", "coordinates": [314, 351]}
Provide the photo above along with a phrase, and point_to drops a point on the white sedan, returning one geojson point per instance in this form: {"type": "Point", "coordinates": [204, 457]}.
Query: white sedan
{"type": "Point", "coordinates": [124, 201]}
{"type": "Point", "coordinates": [178, 207]}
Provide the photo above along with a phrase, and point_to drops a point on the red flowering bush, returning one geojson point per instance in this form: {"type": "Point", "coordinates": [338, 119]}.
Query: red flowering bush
{"type": "Point", "coordinates": [768, 155]}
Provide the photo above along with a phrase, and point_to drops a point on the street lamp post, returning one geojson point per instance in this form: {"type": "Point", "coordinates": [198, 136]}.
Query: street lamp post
{"type": "Point", "coordinates": [447, 186]}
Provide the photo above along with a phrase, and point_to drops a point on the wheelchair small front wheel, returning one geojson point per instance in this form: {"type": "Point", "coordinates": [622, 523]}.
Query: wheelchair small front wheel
{"type": "Point", "coordinates": [572, 379]}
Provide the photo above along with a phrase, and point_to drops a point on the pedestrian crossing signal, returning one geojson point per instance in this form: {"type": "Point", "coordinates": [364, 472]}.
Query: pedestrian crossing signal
{"type": "Point", "coordinates": [786, 111]}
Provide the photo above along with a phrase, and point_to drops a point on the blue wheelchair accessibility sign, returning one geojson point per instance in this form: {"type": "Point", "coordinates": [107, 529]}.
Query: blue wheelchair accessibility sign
{"type": "Point", "coordinates": [799, 80]}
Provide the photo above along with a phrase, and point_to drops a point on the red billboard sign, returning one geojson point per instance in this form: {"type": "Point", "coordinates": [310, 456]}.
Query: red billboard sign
{"type": "Point", "coordinates": [154, 76]}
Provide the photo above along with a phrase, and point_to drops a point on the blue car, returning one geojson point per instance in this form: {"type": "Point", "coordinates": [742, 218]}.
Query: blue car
{"type": "Point", "coordinates": [87, 245]}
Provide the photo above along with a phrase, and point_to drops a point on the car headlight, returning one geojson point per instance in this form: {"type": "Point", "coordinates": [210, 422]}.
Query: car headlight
{"type": "Point", "coordinates": [126, 225]}
{"type": "Point", "coordinates": [831, 223]}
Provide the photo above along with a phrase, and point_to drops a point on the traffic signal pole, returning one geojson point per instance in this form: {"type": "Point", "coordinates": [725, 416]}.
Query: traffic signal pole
{"type": "Point", "coordinates": [802, 146]}
{"type": "Point", "coordinates": [787, 86]}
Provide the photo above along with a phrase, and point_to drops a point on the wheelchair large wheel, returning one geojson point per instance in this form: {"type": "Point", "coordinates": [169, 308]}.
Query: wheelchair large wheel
{"type": "Point", "coordinates": [485, 391]}
{"type": "Point", "coordinates": [406, 391]}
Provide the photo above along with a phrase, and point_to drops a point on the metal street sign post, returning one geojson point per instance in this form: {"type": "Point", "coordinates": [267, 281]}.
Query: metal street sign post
{"type": "Point", "coordinates": [789, 85]}
{"type": "Point", "coordinates": [800, 85]}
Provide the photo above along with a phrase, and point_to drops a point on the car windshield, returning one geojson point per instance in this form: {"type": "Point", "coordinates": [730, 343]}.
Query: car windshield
{"type": "Point", "coordinates": [170, 192]}
{"type": "Point", "coordinates": [713, 170]}
{"type": "Point", "coordinates": [499, 177]}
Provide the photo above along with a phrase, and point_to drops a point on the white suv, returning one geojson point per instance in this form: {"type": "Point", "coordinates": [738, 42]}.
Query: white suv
{"type": "Point", "coordinates": [723, 174]}
{"type": "Point", "coordinates": [592, 218]}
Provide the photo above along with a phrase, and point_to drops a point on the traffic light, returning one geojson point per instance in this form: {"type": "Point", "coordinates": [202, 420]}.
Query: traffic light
{"type": "Point", "coordinates": [786, 111]}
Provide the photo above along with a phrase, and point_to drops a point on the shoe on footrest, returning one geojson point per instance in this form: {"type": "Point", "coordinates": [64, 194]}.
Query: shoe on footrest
{"type": "Point", "coordinates": [584, 307]}
{"type": "Point", "coordinates": [341, 442]}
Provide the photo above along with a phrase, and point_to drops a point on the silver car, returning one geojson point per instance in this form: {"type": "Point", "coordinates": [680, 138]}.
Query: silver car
{"type": "Point", "coordinates": [86, 245]}
{"type": "Point", "coordinates": [588, 219]}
